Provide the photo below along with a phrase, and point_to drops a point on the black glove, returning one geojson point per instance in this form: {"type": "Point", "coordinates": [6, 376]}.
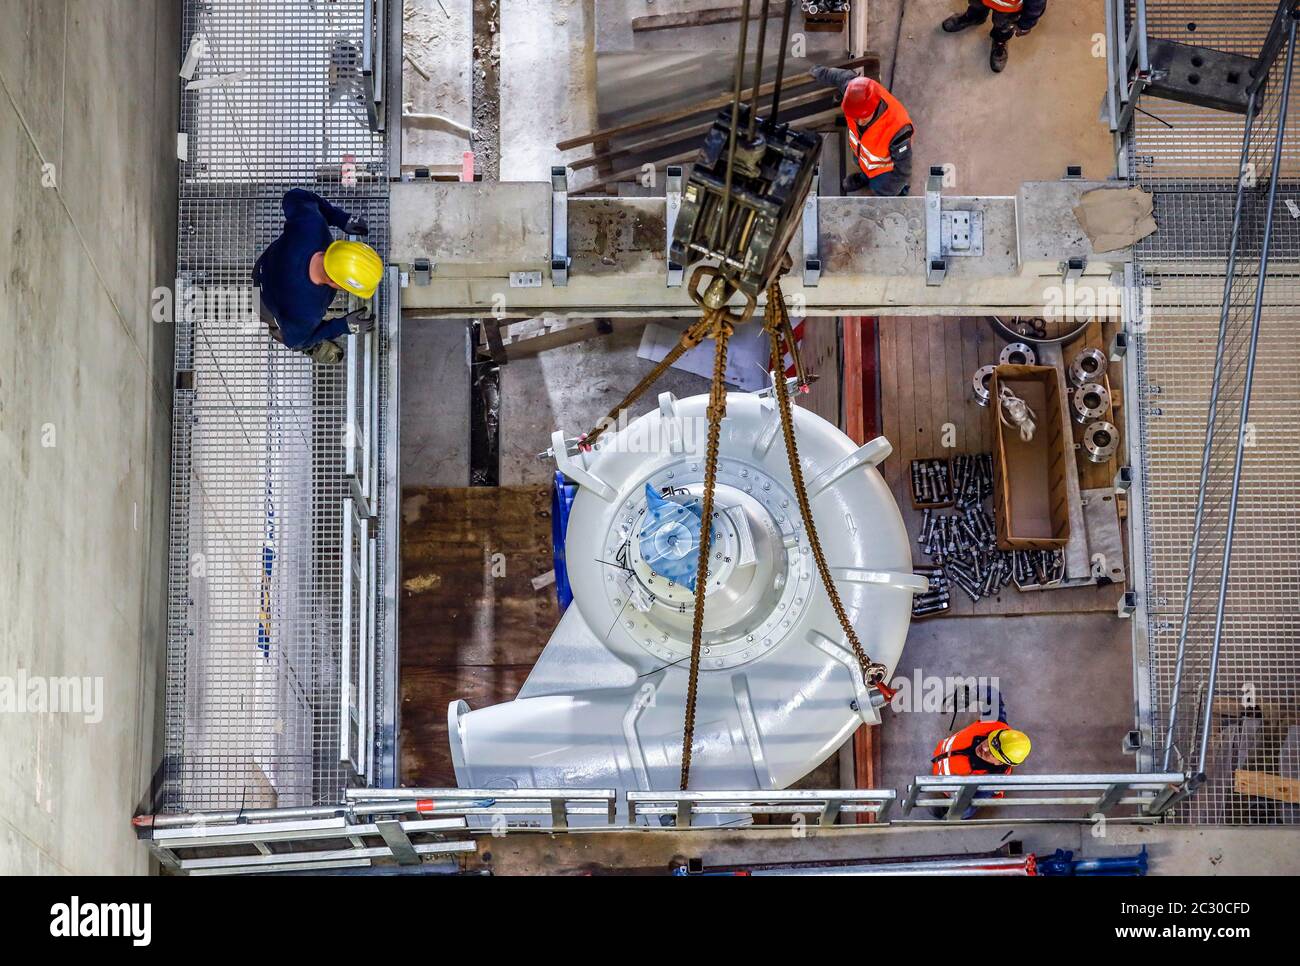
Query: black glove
{"type": "Point", "coordinates": [362, 320]}
{"type": "Point", "coordinates": [356, 226]}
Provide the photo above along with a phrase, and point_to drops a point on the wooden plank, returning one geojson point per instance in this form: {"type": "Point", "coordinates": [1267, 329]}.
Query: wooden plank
{"type": "Point", "coordinates": [700, 18]}
{"type": "Point", "coordinates": [527, 337]}
{"type": "Point", "coordinates": [923, 391]}
{"type": "Point", "coordinates": [426, 692]}
{"type": "Point", "coordinates": [693, 131]}
{"type": "Point", "coordinates": [472, 624]}
{"type": "Point", "coordinates": [820, 351]}
{"type": "Point", "coordinates": [630, 174]}
{"type": "Point", "coordinates": [861, 423]}
{"type": "Point", "coordinates": [962, 406]}
{"type": "Point", "coordinates": [870, 64]}
{"type": "Point", "coordinates": [1264, 785]}
{"type": "Point", "coordinates": [926, 368]}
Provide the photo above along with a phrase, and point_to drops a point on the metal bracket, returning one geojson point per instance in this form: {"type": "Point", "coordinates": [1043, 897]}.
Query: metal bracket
{"type": "Point", "coordinates": [560, 260]}
{"type": "Point", "coordinates": [1072, 268]}
{"type": "Point", "coordinates": [674, 197]}
{"type": "Point", "coordinates": [525, 279]}
{"type": "Point", "coordinates": [962, 234]}
{"type": "Point", "coordinates": [812, 262]}
{"type": "Point", "coordinates": [936, 266]}
{"type": "Point", "coordinates": [1118, 346]}
{"type": "Point", "coordinates": [398, 842]}
{"type": "Point", "coordinates": [421, 271]}
{"type": "Point", "coordinates": [1201, 76]}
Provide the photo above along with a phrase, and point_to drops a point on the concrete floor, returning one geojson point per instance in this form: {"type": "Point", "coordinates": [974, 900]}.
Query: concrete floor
{"type": "Point", "coordinates": [570, 388]}
{"type": "Point", "coordinates": [998, 130]}
{"type": "Point", "coordinates": [548, 83]}
{"type": "Point", "coordinates": [1065, 679]}
{"type": "Point", "coordinates": [435, 404]}
{"type": "Point", "coordinates": [88, 102]}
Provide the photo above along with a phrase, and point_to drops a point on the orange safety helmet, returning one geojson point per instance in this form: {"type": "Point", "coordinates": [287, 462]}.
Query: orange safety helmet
{"type": "Point", "coordinates": [861, 99]}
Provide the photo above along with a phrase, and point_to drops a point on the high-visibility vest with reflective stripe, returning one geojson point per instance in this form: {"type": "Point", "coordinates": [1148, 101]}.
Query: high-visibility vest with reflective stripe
{"type": "Point", "coordinates": [871, 148]}
{"type": "Point", "coordinates": [951, 756]}
{"type": "Point", "coordinates": [1005, 6]}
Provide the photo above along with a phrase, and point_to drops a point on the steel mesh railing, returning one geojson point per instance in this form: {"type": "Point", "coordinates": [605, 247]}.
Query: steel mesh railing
{"type": "Point", "coordinates": [258, 475]}
{"type": "Point", "coordinates": [1222, 562]}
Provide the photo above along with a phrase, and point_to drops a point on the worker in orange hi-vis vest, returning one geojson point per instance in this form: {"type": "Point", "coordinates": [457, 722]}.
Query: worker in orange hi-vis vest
{"type": "Point", "coordinates": [982, 748]}
{"type": "Point", "coordinates": [1011, 18]}
{"type": "Point", "coordinates": [879, 129]}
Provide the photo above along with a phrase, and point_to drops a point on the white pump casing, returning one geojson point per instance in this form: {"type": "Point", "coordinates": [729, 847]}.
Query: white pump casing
{"type": "Point", "coordinates": [779, 686]}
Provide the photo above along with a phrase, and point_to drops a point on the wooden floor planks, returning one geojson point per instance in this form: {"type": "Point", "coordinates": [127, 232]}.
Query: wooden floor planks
{"type": "Point", "coordinates": [926, 367]}
{"type": "Point", "coordinates": [471, 623]}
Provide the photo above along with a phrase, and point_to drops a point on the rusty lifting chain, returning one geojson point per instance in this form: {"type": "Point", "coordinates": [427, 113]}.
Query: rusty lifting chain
{"type": "Point", "coordinates": [713, 288]}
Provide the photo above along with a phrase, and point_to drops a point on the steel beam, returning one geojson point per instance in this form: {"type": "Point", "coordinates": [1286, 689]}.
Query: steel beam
{"type": "Point", "coordinates": [872, 251]}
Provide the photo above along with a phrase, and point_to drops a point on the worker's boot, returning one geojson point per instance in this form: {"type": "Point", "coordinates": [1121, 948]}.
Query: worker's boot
{"type": "Point", "coordinates": [960, 21]}
{"type": "Point", "coordinates": [998, 56]}
{"type": "Point", "coordinates": [327, 353]}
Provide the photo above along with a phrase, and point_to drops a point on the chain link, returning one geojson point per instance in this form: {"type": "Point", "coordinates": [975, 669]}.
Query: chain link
{"type": "Point", "coordinates": [717, 410]}
{"type": "Point", "coordinates": [776, 320]}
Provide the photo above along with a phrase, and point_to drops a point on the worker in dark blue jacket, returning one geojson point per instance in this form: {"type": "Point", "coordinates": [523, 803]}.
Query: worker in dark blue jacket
{"type": "Point", "coordinates": [301, 271]}
{"type": "Point", "coordinates": [1011, 18]}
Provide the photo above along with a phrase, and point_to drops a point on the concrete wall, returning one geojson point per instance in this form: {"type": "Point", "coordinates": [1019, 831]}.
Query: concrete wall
{"type": "Point", "coordinates": [88, 100]}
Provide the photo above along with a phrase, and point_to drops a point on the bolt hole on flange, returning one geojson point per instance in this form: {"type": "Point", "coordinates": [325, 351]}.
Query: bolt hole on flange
{"type": "Point", "coordinates": [1090, 402]}
{"type": "Point", "coordinates": [1018, 354]}
{"type": "Point", "coordinates": [1100, 441]}
{"type": "Point", "coordinates": [1087, 366]}
{"type": "Point", "coordinates": [981, 383]}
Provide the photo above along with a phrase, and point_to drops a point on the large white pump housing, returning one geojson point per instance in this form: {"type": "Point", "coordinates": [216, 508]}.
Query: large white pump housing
{"type": "Point", "coordinates": [779, 688]}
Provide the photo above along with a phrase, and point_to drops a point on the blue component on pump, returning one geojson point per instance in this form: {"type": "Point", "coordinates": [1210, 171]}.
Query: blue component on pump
{"type": "Point", "coordinates": [670, 538]}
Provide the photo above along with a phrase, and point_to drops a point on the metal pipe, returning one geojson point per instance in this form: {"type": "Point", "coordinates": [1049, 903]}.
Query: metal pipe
{"type": "Point", "coordinates": [1277, 34]}
{"type": "Point", "coordinates": [514, 794]}
{"type": "Point", "coordinates": [1210, 425]}
{"type": "Point", "coordinates": [1267, 245]}
{"type": "Point", "coordinates": [738, 81]}
{"type": "Point", "coordinates": [1140, 27]}
{"type": "Point", "coordinates": [233, 816]}
{"type": "Point", "coordinates": [780, 63]}
{"type": "Point", "coordinates": [758, 69]}
{"type": "Point", "coordinates": [991, 865]}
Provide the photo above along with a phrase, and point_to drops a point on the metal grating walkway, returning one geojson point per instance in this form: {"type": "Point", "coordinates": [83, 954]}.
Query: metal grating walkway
{"type": "Point", "coordinates": [259, 475]}
{"type": "Point", "coordinates": [1191, 167]}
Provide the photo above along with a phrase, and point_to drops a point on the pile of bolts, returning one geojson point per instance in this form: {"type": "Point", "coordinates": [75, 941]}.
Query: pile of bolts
{"type": "Point", "coordinates": [963, 543]}
{"type": "Point", "coordinates": [930, 483]}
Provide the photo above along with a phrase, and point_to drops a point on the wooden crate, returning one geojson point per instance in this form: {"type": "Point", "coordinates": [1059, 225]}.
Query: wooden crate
{"type": "Point", "coordinates": [1029, 483]}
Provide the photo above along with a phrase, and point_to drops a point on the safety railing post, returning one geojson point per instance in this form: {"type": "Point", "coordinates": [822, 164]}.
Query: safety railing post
{"type": "Point", "coordinates": [961, 801]}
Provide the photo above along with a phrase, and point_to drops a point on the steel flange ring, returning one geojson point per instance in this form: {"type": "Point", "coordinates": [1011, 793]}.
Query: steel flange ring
{"type": "Point", "coordinates": [981, 383]}
{"type": "Point", "coordinates": [1091, 400]}
{"type": "Point", "coordinates": [1018, 354]}
{"type": "Point", "coordinates": [1087, 366]}
{"type": "Point", "coordinates": [1100, 441]}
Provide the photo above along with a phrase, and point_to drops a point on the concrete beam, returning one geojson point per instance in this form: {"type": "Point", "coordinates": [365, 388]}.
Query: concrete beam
{"type": "Point", "coordinates": [873, 252]}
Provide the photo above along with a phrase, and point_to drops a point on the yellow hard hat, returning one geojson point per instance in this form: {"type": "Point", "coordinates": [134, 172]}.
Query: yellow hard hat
{"type": "Point", "coordinates": [1009, 747]}
{"type": "Point", "coordinates": [355, 266]}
